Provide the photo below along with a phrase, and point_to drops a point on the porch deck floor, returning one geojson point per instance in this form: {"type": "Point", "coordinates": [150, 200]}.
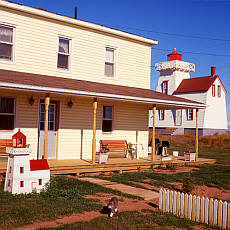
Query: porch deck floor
{"type": "Point", "coordinates": [77, 166]}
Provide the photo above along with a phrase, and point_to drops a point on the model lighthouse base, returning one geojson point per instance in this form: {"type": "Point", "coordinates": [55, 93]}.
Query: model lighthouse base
{"type": "Point", "coordinates": [24, 175]}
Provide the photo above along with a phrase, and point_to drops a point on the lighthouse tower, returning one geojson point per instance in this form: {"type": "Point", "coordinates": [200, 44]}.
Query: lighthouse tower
{"type": "Point", "coordinates": [172, 72]}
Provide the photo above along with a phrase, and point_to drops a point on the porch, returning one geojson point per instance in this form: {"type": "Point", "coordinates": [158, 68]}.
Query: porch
{"type": "Point", "coordinates": [77, 166]}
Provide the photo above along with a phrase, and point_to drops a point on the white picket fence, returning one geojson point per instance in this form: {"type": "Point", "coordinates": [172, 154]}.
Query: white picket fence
{"type": "Point", "coordinates": [204, 210]}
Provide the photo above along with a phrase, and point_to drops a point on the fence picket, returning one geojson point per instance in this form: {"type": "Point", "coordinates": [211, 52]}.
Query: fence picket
{"type": "Point", "coordinates": [163, 201]}
{"type": "Point", "coordinates": [178, 204]}
{"type": "Point", "coordinates": [193, 208]}
{"type": "Point", "coordinates": [190, 206]}
{"type": "Point", "coordinates": [215, 208]}
{"type": "Point", "coordinates": [174, 202]}
{"type": "Point", "coordinates": [220, 207]}
{"type": "Point", "coordinates": [170, 201]}
{"type": "Point", "coordinates": [202, 209]}
{"type": "Point", "coordinates": [225, 213]}
{"type": "Point", "coordinates": [186, 205]}
{"type": "Point", "coordinates": [160, 198]}
{"type": "Point", "coordinates": [167, 201]}
{"type": "Point", "coordinates": [210, 212]}
{"type": "Point", "coordinates": [182, 204]}
{"type": "Point", "coordinates": [206, 208]}
{"type": "Point", "coordinates": [197, 209]}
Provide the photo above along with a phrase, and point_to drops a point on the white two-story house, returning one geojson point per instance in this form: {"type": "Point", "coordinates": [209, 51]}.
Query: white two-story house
{"type": "Point", "coordinates": [175, 80]}
{"type": "Point", "coordinates": [68, 83]}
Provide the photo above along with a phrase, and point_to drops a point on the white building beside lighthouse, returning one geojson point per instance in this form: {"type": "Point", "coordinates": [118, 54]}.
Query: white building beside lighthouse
{"type": "Point", "coordinates": [175, 80]}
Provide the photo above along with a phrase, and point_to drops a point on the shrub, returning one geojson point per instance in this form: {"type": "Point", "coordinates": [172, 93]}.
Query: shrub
{"type": "Point", "coordinates": [171, 166]}
{"type": "Point", "coordinates": [188, 184]}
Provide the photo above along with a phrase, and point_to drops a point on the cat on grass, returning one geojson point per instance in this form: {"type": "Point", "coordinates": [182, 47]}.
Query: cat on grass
{"type": "Point", "coordinates": [112, 206]}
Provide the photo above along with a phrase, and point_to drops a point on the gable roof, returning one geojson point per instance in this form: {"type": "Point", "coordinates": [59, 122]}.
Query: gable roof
{"type": "Point", "coordinates": [41, 164]}
{"type": "Point", "coordinates": [43, 83]}
{"type": "Point", "coordinates": [198, 84]}
{"type": "Point", "coordinates": [90, 25]}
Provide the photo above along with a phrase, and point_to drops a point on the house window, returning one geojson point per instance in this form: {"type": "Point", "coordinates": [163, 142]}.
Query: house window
{"type": "Point", "coordinates": [6, 43]}
{"type": "Point", "coordinates": [10, 171]}
{"type": "Point", "coordinates": [189, 114]}
{"type": "Point", "coordinates": [161, 114]}
{"type": "Point", "coordinates": [39, 181]}
{"type": "Point", "coordinates": [165, 87]}
{"type": "Point", "coordinates": [109, 62]}
{"type": "Point", "coordinates": [21, 183]}
{"type": "Point", "coordinates": [6, 113]}
{"type": "Point", "coordinates": [63, 53]}
{"type": "Point", "coordinates": [8, 182]}
{"type": "Point", "coordinates": [218, 91]}
{"type": "Point", "coordinates": [213, 90]}
{"type": "Point", "coordinates": [21, 169]}
{"type": "Point", "coordinates": [107, 120]}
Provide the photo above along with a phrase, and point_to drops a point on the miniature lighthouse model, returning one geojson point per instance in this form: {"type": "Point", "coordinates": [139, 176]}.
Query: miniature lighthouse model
{"type": "Point", "coordinates": [24, 175]}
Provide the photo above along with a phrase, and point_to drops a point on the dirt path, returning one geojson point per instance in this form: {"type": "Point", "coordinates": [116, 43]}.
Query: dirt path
{"type": "Point", "coordinates": [125, 204]}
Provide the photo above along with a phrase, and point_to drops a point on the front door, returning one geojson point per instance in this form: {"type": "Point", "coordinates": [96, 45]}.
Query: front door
{"type": "Point", "coordinates": [178, 117]}
{"type": "Point", "coordinates": [52, 129]}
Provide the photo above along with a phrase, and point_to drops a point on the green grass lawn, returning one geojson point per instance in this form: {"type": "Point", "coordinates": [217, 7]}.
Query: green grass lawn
{"type": "Point", "coordinates": [64, 196]}
{"type": "Point", "coordinates": [146, 219]}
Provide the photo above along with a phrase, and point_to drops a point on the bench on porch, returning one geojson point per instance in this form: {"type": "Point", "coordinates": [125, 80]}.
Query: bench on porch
{"type": "Point", "coordinates": [3, 144]}
{"type": "Point", "coordinates": [115, 148]}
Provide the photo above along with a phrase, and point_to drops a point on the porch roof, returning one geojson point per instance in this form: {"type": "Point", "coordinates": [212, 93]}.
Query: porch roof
{"type": "Point", "coordinates": [43, 83]}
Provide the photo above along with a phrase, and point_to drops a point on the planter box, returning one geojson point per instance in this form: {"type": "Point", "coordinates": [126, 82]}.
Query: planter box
{"type": "Point", "coordinates": [102, 157]}
{"type": "Point", "coordinates": [190, 156]}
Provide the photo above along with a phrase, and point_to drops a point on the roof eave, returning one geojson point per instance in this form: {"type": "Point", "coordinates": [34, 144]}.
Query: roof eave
{"type": "Point", "coordinates": [77, 22]}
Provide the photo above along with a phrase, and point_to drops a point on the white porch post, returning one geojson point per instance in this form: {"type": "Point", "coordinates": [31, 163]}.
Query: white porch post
{"type": "Point", "coordinates": [196, 140]}
{"type": "Point", "coordinates": [47, 103]}
{"type": "Point", "coordinates": [94, 130]}
{"type": "Point", "coordinates": [153, 134]}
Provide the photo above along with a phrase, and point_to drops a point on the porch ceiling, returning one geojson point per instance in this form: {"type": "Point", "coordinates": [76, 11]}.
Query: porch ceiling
{"type": "Point", "coordinates": [42, 83]}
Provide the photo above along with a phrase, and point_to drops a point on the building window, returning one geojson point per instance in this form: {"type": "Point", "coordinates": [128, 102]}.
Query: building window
{"type": "Point", "coordinates": [21, 169]}
{"type": "Point", "coordinates": [10, 171]}
{"type": "Point", "coordinates": [39, 181]}
{"type": "Point", "coordinates": [165, 87]}
{"type": "Point", "coordinates": [107, 120]}
{"type": "Point", "coordinates": [213, 90]}
{"type": "Point", "coordinates": [6, 43]}
{"type": "Point", "coordinates": [9, 183]}
{"type": "Point", "coordinates": [109, 62]}
{"type": "Point", "coordinates": [63, 53]}
{"type": "Point", "coordinates": [161, 114]}
{"type": "Point", "coordinates": [218, 91]}
{"type": "Point", "coordinates": [21, 183]}
{"type": "Point", "coordinates": [189, 114]}
{"type": "Point", "coordinates": [6, 113]}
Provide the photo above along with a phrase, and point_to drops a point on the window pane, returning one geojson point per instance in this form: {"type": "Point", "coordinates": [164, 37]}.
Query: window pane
{"type": "Point", "coordinates": [109, 55]}
{"type": "Point", "coordinates": [42, 125]}
{"type": "Point", "coordinates": [63, 61]}
{"type": "Point", "coordinates": [6, 34]}
{"type": "Point", "coordinates": [51, 125]}
{"type": "Point", "coordinates": [51, 108]}
{"type": "Point", "coordinates": [5, 51]}
{"type": "Point", "coordinates": [42, 117]}
{"type": "Point", "coordinates": [51, 116]}
{"type": "Point", "coordinates": [107, 112]}
{"type": "Point", "coordinates": [107, 126]}
{"type": "Point", "coordinates": [43, 108]}
{"type": "Point", "coordinates": [109, 69]}
{"type": "Point", "coordinates": [63, 46]}
{"type": "Point", "coordinates": [6, 122]}
{"type": "Point", "coordinates": [7, 105]}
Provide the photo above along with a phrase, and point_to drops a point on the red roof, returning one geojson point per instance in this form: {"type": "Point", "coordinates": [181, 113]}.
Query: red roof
{"type": "Point", "coordinates": [175, 56]}
{"type": "Point", "coordinates": [41, 164]}
{"type": "Point", "coordinates": [198, 84]}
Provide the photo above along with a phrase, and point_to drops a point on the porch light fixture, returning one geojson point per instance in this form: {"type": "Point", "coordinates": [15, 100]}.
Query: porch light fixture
{"type": "Point", "coordinates": [31, 100]}
{"type": "Point", "coordinates": [70, 103]}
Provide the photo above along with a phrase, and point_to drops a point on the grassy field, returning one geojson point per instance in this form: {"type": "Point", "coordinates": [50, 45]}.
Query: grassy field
{"type": "Point", "coordinates": [146, 219]}
{"type": "Point", "coordinates": [64, 196]}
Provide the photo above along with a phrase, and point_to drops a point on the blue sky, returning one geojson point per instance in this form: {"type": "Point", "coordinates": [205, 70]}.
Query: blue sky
{"type": "Point", "coordinates": [175, 24]}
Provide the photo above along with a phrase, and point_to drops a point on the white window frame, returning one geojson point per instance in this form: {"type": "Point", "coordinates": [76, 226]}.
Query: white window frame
{"type": "Point", "coordinates": [11, 114]}
{"type": "Point", "coordinates": [110, 119]}
{"type": "Point", "coordinates": [213, 90]}
{"type": "Point", "coordinates": [190, 114]}
{"type": "Point", "coordinates": [61, 53]}
{"type": "Point", "coordinates": [218, 91]}
{"type": "Point", "coordinates": [161, 114]}
{"type": "Point", "coordinates": [9, 43]}
{"type": "Point", "coordinates": [114, 62]}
